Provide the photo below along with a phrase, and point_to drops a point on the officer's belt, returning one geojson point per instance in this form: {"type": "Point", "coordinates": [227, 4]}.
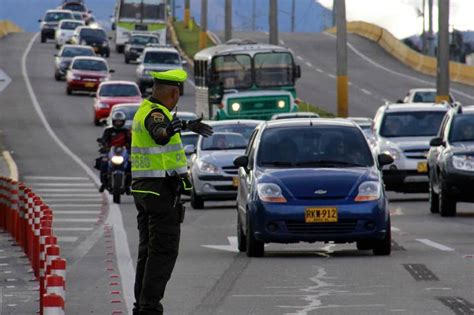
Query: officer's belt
{"type": "Point", "coordinates": [158, 149]}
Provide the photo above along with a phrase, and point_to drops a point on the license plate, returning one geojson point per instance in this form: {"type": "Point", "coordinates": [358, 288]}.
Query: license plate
{"type": "Point", "coordinates": [422, 167]}
{"type": "Point", "coordinates": [235, 181]}
{"type": "Point", "coordinates": [89, 84]}
{"type": "Point", "coordinates": [320, 215]}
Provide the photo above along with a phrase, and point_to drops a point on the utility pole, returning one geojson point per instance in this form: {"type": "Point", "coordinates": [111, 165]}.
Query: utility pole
{"type": "Point", "coordinates": [293, 16]}
{"type": "Point", "coordinates": [203, 33]}
{"type": "Point", "coordinates": [334, 13]}
{"type": "Point", "coordinates": [254, 13]}
{"type": "Point", "coordinates": [341, 47]}
{"type": "Point", "coordinates": [173, 9]}
{"type": "Point", "coordinates": [273, 17]}
{"type": "Point", "coordinates": [423, 34]}
{"type": "Point", "coordinates": [187, 13]}
{"type": "Point", "coordinates": [430, 29]}
{"type": "Point", "coordinates": [228, 20]}
{"type": "Point", "coordinates": [442, 71]}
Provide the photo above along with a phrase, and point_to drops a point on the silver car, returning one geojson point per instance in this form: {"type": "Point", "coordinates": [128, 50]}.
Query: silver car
{"type": "Point", "coordinates": [64, 57]}
{"type": "Point", "coordinates": [129, 109]}
{"type": "Point", "coordinates": [212, 170]}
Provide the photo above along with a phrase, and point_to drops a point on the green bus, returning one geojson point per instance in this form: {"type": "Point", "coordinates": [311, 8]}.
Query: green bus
{"type": "Point", "coordinates": [245, 80]}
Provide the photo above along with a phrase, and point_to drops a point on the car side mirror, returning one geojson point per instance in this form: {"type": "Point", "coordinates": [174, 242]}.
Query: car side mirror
{"type": "Point", "coordinates": [189, 149]}
{"type": "Point", "coordinates": [241, 161]}
{"type": "Point", "coordinates": [436, 142]}
{"type": "Point", "coordinates": [90, 11]}
{"type": "Point", "coordinates": [297, 72]}
{"type": "Point", "coordinates": [384, 159]}
{"type": "Point", "coordinates": [111, 71]}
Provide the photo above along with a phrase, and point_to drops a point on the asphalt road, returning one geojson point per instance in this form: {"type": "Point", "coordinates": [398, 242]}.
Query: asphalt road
{"type": "Point", "coordinates": [431, 269]}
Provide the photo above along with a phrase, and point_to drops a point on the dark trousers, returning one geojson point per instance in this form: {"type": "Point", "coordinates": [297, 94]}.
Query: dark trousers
{"type": "Point", "coordinates": [159, 232]}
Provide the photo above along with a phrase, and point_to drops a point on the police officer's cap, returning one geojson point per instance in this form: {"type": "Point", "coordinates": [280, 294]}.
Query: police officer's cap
{"type": "Point", "coordinates": [171, 77]}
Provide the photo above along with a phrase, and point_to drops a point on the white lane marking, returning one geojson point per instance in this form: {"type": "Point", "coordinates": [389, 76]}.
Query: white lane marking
{"type": "Point", "coordinates": [319, 70]}
{"type": "Point", "coordinates": [232, 247]}
{"type": "Point", "coordinates": [69, 195]}
{"type": "Point", "coordinates": [4, 264]}
{"type": "Point", "coordinates": [124, 259]}
{"type": "Point", "coordinates": [52, 200]}
{"type": "Point", "coordinates": [394, 229]}
{"type": "Point", "coordinates": [68, 205]}
{"type": "Point", "coordinates": [72, 229]}
{"type": "Point", "coordinates": [12, 305]}
{"type": "Point", "coordinates": [76, 220]}
{"type": "Point", "coordinates": [332, 76]}
{"type": "Point", "coordinates": [4, 80]}
{"type": "Point", "coordinates": [350, 83]}
{"type": "Point", "coordinates": [396, 211]}
{"type": "Point", "coordinates": [443, 289]}
{"type": "Point", "coordinates": [385, 100]}
{"type": "Point", "coordinates": [53, 178]}
{"type": "Point", "coordinates": [299, 58]}
{"type": "Point", "coordinates": [67, 239]}
{"type": "Point", "coordinates": [62, 185]}
{"type": "Point", "coordinates": [76, 212]}
{"type": "Point", "coordinates": [66, 190]}
{"type": "Point", "coordinates": [366, 91]}
{"type": "Point", "coordinates": [435, 245]}
{"type": "Point", "coordinates": [282, 42]}
{"type": "Point", "coordinates": [309, 64]}
{"type": "Point", "coordinates": [375, 64]}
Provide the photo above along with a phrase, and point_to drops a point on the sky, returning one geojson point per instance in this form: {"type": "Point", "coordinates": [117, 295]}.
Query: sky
{"type": "Point", "coordinates": [401, 18]}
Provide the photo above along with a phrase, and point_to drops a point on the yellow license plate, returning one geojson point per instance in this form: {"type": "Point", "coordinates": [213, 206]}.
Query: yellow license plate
{"type": "Point", "coordinates": [89, 84]}
{"type": "Point", "coordinates": [320, 215]}
{"type": "Point", "coordinates": [422, 167]}
{"type": "Point", "coordinates": [235, 181]}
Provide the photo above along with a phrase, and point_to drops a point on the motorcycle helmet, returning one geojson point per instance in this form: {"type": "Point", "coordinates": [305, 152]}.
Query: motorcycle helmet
{"type": "Point", "coordinates": [118, 119]}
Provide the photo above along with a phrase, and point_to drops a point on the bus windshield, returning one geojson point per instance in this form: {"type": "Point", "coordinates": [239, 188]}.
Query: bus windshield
{"type": "Point", "coordinates": [142, 9]}
{"type": "Point", "coordinates": [233, 71]}
{"type": "Point", "coordinates": [273, 69]}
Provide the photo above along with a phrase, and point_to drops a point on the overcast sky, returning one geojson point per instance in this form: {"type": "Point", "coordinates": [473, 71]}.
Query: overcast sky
{"type": "Point", "coordinates": [400, 16]}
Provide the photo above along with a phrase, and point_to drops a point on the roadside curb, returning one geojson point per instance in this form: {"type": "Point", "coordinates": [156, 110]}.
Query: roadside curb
{"type": "Point", "coordinates": [12, 167]}
{"type": "Point", "coordinates": [7, 27]}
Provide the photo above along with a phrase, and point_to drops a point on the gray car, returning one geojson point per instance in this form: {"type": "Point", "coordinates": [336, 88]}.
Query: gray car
{"type": "Point", "coordinates": [64, 57]}
{"type": "Point", "coordinates": [135, 45]}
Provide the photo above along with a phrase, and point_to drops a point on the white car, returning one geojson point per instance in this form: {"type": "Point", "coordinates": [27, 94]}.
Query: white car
{"type": "Point", "coordinates": [65, 31]}
{"type": "Point", "coordinates": [404, 131]}
{"type": "Point", "coordinates": [423, 95]}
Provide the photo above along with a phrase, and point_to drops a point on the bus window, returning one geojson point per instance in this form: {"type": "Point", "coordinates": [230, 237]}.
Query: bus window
{"type": "Point", "coordinates": [233, 71]}
{"type": "Point", "coordinates": [151, 9]}
{"type": "Point", "coordinates": [273, 69]}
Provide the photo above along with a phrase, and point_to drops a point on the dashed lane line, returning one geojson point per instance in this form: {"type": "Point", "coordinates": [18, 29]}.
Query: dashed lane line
{"type": "Point", "coordinates": [309, 64]}
{"type": "Point", "coordinates": [72, 229]}
{"type": "Point", "coordinates": [76, 212]}
{"type": "Point", "coordinates": [332, 76]}
{"type": "Point", "coordinates": [66, 190]}
{"type": "Point", "coordinates": [299, 58]}
{"type": "Point", "coordinates": [68, 205]}
{"type": "Point", "coordinates": [67, 239]}
{"type": "Point", "coordinates": [366, 91]}
{"type": "Point", "coordinates": [319, 70]}
{"type": "Point", "coordinates": [75, 220]}
{"type": "Point", "coordinates": [33, 178]}
{"type": "Point", "coordinates": [62, 185]}
{"type": "Point", "coordinates": [435, 245]}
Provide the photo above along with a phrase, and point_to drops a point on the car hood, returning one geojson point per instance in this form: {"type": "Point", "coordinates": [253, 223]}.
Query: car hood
{"type": "Point", "coordinates": [120, 99]}
{"type": "Point", "coordinates": [90, 73]}
{"type": "Point", "coordinates": [320, 183]}
{"type": "Point", "coordinates": [463, 147]}
{"type": "Point", "coordinates": [407, 143]}
{"type": "Point", "coordinates": [160, 67]}
{"type": "Point", "coordinates": [220, 158]}
{"type": "Point", "coordinates": [94, 40]}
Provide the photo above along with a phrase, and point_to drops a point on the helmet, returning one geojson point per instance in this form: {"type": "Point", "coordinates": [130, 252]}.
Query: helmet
{"type": "Point", "coordinates": [118, 119]}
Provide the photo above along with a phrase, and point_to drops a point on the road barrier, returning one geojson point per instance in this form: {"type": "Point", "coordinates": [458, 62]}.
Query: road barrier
{"type": "Point", "coordinates": [7, 27]}
{"type": "Point", "coordinates": [29, 221]}
{"type": "Point", "coordinates": [458, 72]}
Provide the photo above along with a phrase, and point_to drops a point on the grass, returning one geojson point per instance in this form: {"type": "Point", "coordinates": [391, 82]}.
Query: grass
{"type": "Point", "coordinates": [189, 39]}
{"type": "Point", "coordinates": [306, 107]}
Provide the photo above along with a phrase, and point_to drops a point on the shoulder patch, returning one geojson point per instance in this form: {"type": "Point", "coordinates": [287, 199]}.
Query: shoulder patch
{"type": "Point", "coordinates": [158, 117]}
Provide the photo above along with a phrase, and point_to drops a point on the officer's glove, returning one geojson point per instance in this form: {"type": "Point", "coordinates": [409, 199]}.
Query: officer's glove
{"type": "Point", "coordinates": [175, 126]}
{"type": "Point", "coordinates": [199, 127]}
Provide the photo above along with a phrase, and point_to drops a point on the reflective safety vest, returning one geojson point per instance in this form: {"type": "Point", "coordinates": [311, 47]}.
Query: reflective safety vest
{"type": "Point", "coordinates": [150, 159]}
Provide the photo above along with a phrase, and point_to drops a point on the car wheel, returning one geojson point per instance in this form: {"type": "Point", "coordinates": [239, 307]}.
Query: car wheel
{"type": "Point", "coordinates": [127, 60]}
{"type": "Point", "coordinates": [384, 247]}
{"type": "Point", "coordinates": [57, 76]}
{"type": "Point", "coordinates": [196, 201]}
{"type": "Point", "coordinates": [241, 241]}
{"type": "Point", "coordinates": [96, 122]}
{"type": "Point", "coordinates": [447, 204]}
{"type": "Point", "coordinates": [434, 199]}
{"type": "Point", "coordinates": [255, 248]}
{"type": "Point", "coordinates": [365, 245]}
{"type": "Point", "coordinates": [68, 91]}
{"type": "Point", "coordinates": [107, 54]}
{"type": "Point", "coordinates": [43, 39]}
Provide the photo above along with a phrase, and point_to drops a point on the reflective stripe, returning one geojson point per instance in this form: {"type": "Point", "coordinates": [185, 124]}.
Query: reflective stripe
{"type": "Point", "coordinates": [158, 173]}
{"type": "Point", "coordinates": [186, 187]}
{"type": "Point", "coordinates": [158, 150]}
{"type": "Point", "coordinates": [145, 192]}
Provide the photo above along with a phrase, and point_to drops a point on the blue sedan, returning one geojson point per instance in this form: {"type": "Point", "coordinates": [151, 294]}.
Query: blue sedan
{"type": "Point", "coordinates": [311, 180]}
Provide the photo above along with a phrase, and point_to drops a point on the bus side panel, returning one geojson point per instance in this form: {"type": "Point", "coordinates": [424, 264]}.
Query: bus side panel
{"type": "Point", "coordinates": [202, 102]}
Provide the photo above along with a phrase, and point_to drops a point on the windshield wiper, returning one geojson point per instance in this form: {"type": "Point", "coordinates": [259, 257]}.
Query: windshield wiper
{"type": "Point", "coordinates": [328, 163]}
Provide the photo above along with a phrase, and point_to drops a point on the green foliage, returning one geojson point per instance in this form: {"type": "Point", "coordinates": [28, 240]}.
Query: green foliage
{"type": "Point", "coordinates": [189, 39]}
{"type": "Point", "coordinates": [306, 107]}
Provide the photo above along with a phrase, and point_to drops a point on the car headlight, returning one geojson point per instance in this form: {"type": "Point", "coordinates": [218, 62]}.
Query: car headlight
{"type": "Point", "coordinates": [117, 159]}
{"type": "Point", "coordinates": [103, 79]}
{"type": "Point", "coordinates": [368, 191]}
{"type": "Point", "coordinates": [281, 104]}
{"type": "Point", "coordinates": [235, 107]}
{"type": "Point", "coordinates": [205, 167]}
{"type": "Point", "coordinates": [103, 105]}
{"type": "Point", "coordinates": [105, 44]}
{"type": "Point", "coordinates": [269, 192]}
{"type": "Point", "coordinates": [394, 153]}
{"type": "Point", "coordinates": [75, 77]}
{"type": "Point", "coordinates": [463, 162]}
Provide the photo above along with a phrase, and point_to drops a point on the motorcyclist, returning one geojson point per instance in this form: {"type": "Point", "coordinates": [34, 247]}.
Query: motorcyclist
{"type": "Point", "coordinates": [114, 136]}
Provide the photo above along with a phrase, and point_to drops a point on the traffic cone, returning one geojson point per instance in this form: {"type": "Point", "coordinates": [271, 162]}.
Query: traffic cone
{"type": "Point", "coordinates": [55, 285]}
{"type": "Point", "coordinates": [53, 304]}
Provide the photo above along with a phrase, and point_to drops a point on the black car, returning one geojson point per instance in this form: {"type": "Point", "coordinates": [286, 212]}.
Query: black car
{"type": "Point", "coordinates": [50, 22]}
{"type": "Point", "coordinates": [137, 42]}
{"type": "Point", "coordinates": [451, 162]}
{"type": "Point", "coordinates": [64, 57]}
{"type": "Point", "coordinates": [94, 37]}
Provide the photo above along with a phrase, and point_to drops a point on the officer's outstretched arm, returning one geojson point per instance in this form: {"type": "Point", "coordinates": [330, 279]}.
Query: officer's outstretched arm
{"type": "Point", "coordinates": [156, 123]}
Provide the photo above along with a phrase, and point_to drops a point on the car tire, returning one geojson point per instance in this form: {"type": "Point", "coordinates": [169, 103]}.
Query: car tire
{"type": "Point", "coordinates": [447, 204]}
{"type": "Point", "coordinates": [434, 199]}
{"type": "Point", "coordinates": [107, 54]}
{"type": "Point", "coordinates": [43, 39]}
{"type": "Point", "coordinates": [68, 91]}
{"type": "Point", "coordinates": [127, 61]}
{"type": "Point", "coordinates": [196, 201]}
{"type": "Point", "coordinates": [255, 248]}
{"type": "Point", "coordinates": [57, 76]}
{"type": "Point", "coordinates": [96, 122]}
{"type": "Point", "coordinates": [365, 245]}
{"type": "Point", "coordinates": [384, 247]}
{"type": "Point", "coordinates": [57, 46]}
{"type": "Point", "coordinates": [241, 240]}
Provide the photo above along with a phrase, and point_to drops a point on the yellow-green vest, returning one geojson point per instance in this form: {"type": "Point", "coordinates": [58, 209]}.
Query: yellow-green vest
{"type": "Point", "coordinates": [150, 159]}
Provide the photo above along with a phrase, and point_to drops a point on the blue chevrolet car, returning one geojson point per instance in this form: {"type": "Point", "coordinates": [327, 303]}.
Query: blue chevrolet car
{"type": "Point", "coordinates": [311, 180]}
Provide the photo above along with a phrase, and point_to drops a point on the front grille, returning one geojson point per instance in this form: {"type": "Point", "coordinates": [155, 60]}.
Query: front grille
{"type": "Point", "coordinates": [90, 79]}
{"type": "Point", "coordinates": [232, 170]}
{"type": "Point", "coordinates": [225, 188]}
{"type": "Point", "coordinates": [420, 154]}
{"type": "Point", "coordinates": [341, 227]}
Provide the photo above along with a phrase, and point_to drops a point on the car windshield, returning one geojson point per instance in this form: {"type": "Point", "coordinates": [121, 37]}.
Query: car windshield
{"type": "Point", "coordinates": [93, 33]}
{"type": "Point", "coordinates": [273, 69]}
{"type": "Point", "coordinates": [70, 25]}
{"type": "Point", "coordinates": [411, 124]}
{"type": "Point", "coordinates": [77, 51]}
{"type": "Point", "coordinates": [119, 90]}
{"type": "Point", "coordinates": [129, 111]}
{"type": "Point", "coordinates": [233, 71]}
{"type": "Point", "coordinates": [224, 141]}
{"type": "Point", "coordinates": [462, 128]}
{"type": "Point", "coordinates": [57, 16]}
{"type": "Point", "coordinates": [426, 97]}
{"type": "Point", "coordinates": [143, 40]}
{"type": "Point", "coordinates": [191, 138]}
{"type": "Point", "coordinates": [314, 146]}
{"type": "Point", "coordinates": [160, 57]}
{"type": "Point", "coordinates": [74, 7]}
{"type": "Point", "coordinates": [242, 129]}
{"type": "Point", "coordinates": [77, 16]}
{"type": "Point", "coordinates": [90, 65]}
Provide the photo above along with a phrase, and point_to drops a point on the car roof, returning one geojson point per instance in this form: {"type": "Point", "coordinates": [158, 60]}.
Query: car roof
{"type": "Point", "coordinates": [238, 48]}
{"type": "Point", "coordinates": [141, 33]}
{"type": "Point", "coordinates": [77, 46]}
{"type": "Point", "coordinates": [295, 114]}
{"type": "Point", "coordinates": [72, 20]}
{"type": "Point", "coordinates": [160, 49]}
{"type": "Point", "coordinates": [124, 82]}
{"type": "Point", "coordinates": [416, 107]}
{"type": "Point", "coordinates": [90, 27]}
{"type": "Point", "coordinates": [126, 105]}
{"type": "Point", "coordinates": [90, 58]}
{"type": "Point", "coordinates": [298, 122]}
{"type": "Point", "coordinates": [235, 122]}
{"type": "Point", "coordinates": [361, 119]}
{"type": "Point", "coordinates": [423, 90]}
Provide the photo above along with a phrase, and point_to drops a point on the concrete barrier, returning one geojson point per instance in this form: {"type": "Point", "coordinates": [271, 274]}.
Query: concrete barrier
{"type": "Point", "coordinates": [7, 27]}
{"type": "Point", "coordinates": [458, 72]}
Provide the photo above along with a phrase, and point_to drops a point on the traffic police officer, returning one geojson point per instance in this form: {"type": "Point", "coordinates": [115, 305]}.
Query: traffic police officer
{"type": "Point", "coordinates": [159, 172]}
